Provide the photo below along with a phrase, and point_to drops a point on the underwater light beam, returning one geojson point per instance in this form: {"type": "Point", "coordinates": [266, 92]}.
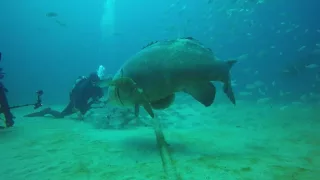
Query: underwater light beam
{"type": "Point", "coordinates": [108, 19]}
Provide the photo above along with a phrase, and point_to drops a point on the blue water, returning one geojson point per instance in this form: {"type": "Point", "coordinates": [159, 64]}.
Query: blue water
{"type": "Point", "coordinates": [38, 53]}
{"type": "Point", "coordinates": [252, 140]}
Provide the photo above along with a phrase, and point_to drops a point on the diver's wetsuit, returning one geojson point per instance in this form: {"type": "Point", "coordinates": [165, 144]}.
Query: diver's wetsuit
{"type": "Point", "coordinates": [4, 107]}
{"type": "Point", "coordinates": [83, 90]}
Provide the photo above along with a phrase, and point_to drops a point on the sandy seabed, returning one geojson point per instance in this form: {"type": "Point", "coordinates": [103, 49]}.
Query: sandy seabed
{"type": "Point", "coordinates": [247, 142]}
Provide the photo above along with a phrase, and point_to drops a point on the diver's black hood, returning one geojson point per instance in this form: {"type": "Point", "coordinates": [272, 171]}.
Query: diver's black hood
{"type": "Point", "coordinates": [93, 77]}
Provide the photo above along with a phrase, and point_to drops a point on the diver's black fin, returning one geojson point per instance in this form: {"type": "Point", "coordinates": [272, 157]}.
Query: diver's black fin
{"type": "Point", "coordinates": [39, 114]}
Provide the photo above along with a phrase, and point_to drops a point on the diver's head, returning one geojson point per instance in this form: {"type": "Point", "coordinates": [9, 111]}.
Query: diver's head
{"type": "Point", "coordinates": [94, 78]}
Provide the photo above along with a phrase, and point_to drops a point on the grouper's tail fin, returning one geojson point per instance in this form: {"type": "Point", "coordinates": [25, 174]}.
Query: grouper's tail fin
{"type": "Point", "coordinates": [230, 63]}
{"type": "Point", "coordinates": [227, 88]}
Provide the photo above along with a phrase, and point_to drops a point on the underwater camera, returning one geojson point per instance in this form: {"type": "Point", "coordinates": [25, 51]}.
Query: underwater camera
{"type": "Point", "coordinates": [39, 100]}
{"type": "Point", "coordinates": [35, 105]}
{"type": "Point", "coordinates": [4, 106]}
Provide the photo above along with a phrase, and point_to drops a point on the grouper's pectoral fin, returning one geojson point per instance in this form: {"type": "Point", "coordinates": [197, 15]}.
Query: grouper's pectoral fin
{"type": "Point", "coordinates": [137, 95]}
{"type": "Point", "coordinates": [142, 99]}
{"type": "Point", "coordinates": [204, 92]}
{"type": "Point", "coordinates": [148, 108]}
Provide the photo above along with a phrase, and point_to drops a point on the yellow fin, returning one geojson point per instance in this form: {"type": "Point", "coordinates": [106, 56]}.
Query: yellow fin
{"type": "Point", "coordinates": [104, 82]}
{"type": "Point", "coordinates": [124, 83]}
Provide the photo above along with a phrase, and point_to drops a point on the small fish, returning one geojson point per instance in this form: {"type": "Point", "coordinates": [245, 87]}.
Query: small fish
{"type": "Point", "coordinates": [258, 83]}
{"type": "Point", "coordinates": [244, 93]}
{"type": "Point", "coordinates": [301, 48]}
{"type": "Point", "coordinates": [312, 66]}
{"type": "Point", "coordinates": [283, 108]}
{"type": "Point", "coordinates": [261, 92]}
{"type": "Point", "coordinates": [250, 86]}
{"type": "Point", "coordinates": [263, 100]}
{"type": "Point", "coordinates": [52, 14]}
{"type": "Point", "coordinates": [233, 83]}
{"type": "Point", "coordinates": [61, 23]}
{"type": "Point", "coordinates": [243, 57]}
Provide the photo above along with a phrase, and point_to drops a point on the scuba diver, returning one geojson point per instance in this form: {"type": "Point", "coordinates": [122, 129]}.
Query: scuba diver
{"type": "Point", "coordinates": [85, 89]}
{"type": "Point", "coordinates": [4, 105]}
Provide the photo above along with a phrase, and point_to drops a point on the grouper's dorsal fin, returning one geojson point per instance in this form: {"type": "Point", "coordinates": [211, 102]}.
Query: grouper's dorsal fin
{"type": "Point", "coordinates": [190, 38]}
{"type": "Point", "coordinates": [195, 42]}
{"type": "Point", "coordinates": [149, 44]}
{"type": "Point", "coordinates": [128, 85]}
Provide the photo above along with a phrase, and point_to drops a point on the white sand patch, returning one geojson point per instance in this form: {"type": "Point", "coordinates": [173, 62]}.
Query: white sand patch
{"type": "Point", "coordinates": [247, 141]}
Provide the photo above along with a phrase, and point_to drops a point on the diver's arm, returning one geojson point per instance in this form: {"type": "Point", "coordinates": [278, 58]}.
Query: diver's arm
{"type": "Point", "coordinates": [100, 92]}
{"type": "Point", "coordinates": [97, 94]}
{"type": "Point", "coordinates": [95, 99]}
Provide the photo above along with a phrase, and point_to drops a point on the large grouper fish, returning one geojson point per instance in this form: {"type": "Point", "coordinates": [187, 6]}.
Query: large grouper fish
{"type": "Point", "coordinates": [151, 77]}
